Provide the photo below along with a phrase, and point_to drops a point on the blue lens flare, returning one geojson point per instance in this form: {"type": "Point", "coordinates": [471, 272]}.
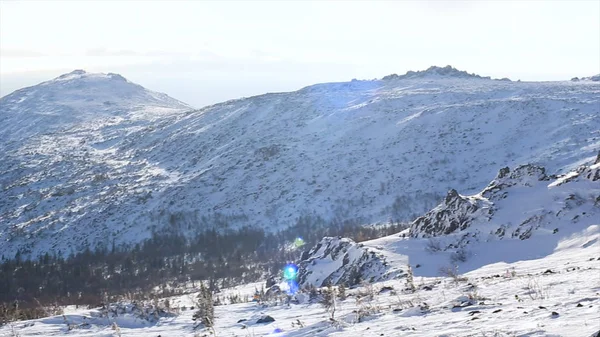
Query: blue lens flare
{"type": "Point", "coordinates": [292, 287]}
{"type": "Point", "coordinates": [290, 272]}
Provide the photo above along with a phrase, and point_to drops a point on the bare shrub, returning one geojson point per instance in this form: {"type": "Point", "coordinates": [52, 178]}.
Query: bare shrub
{"type": "Point", "coordinates": [433, 245]}
{"type": "Point", "coordinates": [535, 290]}
{"type": "Point", "coordinates": [476, 297]}
{"type": "Point", "coordinates": [367, 291]}
{"type": "Point", "coordinates": [116, 328]}
{"type": "Point", "coordinates": [364, 301]}
{"type": "Point", "coordinates": [452, 272]}
{"type": "Point", "coordinates": [365, 309]}
{"type": "Point", "coordinates": [460, 255]}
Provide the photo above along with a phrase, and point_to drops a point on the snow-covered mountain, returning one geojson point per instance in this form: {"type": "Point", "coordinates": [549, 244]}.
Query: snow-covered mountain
{"type": "Point", "coordinates": [76, 98]}
{"type": "Point", "coordinates": [376, 150]}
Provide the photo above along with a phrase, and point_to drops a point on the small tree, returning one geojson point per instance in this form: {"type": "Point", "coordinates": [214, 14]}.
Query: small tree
{"type": "Point", "coordinates": [313, 294]}
{"type": "Point", "coordinates": [342, 291]}
{"type": "Point", "coordinates": [410, 282]}
{"type": "Point", "coordinates": [205, 312]}
{"type": "Point", "coordinates": [328, 300]}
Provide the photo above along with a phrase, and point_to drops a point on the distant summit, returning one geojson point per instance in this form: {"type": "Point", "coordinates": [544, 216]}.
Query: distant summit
{"type": "Point", "coordinates": [435, 72]}
{"type": "Point", "coordinates": [80, 74]}
{"type": "Point", "coordinates": [595, 78]}
{"type": "Point", "coordinates": [78, 97]}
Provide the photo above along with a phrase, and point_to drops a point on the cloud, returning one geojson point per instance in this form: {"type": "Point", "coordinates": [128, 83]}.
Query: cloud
{"type": "Point", "coordinates": [107, 52]}
{"type": "Point", "coordinates": [16, 53]}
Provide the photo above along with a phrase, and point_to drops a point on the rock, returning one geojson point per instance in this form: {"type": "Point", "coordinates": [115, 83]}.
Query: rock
{"type": "Point", "coordinates": [454, 214]}
{"type": "Point", "coordinates": [350, 264]}
{"type": "Point", "coordinates": [271, 281]}
{"type": "Point", "coordinates": [555, 314]}
{"type": "Point", "coordinates": [273, 291]}
{"type": "Point", "coordinates": [265, 319]}
{"type": "Point", "coordinates": [462, 302]}
{"type": "Point", "coordinates": [579, 305]}
{"type": "Point", "coordinates": [386, 289]}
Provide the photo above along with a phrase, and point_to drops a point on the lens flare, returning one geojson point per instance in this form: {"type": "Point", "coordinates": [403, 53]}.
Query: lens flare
{"type": "Point", "coordinates": [290, 272]}
{"type": "Point", "coordinates": [298, 242]}
{"type": "Point", "coordinates": [292, 287]}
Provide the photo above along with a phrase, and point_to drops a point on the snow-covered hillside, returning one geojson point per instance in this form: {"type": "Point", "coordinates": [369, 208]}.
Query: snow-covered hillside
{"type": "Point", "coordinates": [551, 290]}
{"type": "Point", "coordinates": [522, 214]}
{"type": "Point", "coordinates": [516, 204]}
{"type": "Point", "coordinates": [75, 99]}
{"type": "Point", "coordinates": [376, 150]}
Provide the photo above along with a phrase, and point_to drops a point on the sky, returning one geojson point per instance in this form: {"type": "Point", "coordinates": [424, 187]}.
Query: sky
{"type": "Point", "coordinates": [205, 52]}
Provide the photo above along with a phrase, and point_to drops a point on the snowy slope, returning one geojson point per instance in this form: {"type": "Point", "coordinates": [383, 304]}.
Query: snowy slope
{"type": "Point", "coordinates": [553, 294]}
{"type": "Point", "coordinates": [522, 214]}
{"type": "Point", "coordinates": [542, 284]}
{"type": "Point", "coordinates": [376, 150]}
{"type": "Point", "coordinates": [517, 204]}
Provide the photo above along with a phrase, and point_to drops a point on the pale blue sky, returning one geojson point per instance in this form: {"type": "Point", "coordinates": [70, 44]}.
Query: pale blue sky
{"type": "Point", "coordinates": [205, 52]}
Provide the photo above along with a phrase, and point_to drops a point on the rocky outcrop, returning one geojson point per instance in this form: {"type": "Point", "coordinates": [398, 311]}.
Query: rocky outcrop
{"type": "Point", "coordinates": [524, 175]}
{"type": "Point", "coordinates": [455, 214]}
{"type": "Point", "coordinates": [435, 71]}
{"type": "Point", "coordinates": [515, 204]}
{"type": "Point", "coordinates": [342, 261]}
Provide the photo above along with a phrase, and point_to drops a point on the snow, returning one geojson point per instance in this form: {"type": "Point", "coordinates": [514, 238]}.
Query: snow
{"type": "Point", "coordinates": [545, 283]}
{"type": "Point", "coordinates": [495, 299]}
{"type": "Point", "coordinates": [336, 260]}
{"type": "Point", "coordinates": [370, 150]}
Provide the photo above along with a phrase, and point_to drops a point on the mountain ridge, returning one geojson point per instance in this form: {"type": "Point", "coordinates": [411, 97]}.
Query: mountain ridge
{"type": "Point", "coordinates": [363, 151]}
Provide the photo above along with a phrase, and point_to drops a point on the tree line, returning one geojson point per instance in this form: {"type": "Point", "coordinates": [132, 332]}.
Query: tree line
{"type": "Point", "coordinates": [165, 261]}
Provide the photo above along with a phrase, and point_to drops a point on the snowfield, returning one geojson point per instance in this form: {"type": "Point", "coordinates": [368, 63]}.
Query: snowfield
{"type": "Point", "coordinates": [91, 159]}
{"type": "Point", "coordinates": [553, 294]}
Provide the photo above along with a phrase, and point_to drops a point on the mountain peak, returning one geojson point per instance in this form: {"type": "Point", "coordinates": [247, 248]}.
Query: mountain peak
{"type": "Point", "coordinates": [78, 97]}
{"type": "Point", "coordinates": [80, 74]}
{"type": "Point", "coordinates": [435, 72]}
